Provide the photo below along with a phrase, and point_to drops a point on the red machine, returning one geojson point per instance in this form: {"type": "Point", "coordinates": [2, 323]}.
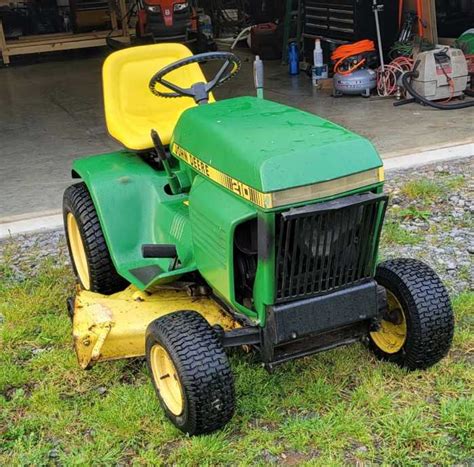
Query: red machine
{"type": "Point", "coordinates": [163, 19]}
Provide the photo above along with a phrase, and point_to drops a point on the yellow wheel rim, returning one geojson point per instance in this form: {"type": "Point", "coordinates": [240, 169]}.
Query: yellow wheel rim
{"type": "Point", "coordinates": [391, 337]}
{"type": "Point", "coordinates": [77, 251]}
{"type": "Point", "coordinates": [166, 379]}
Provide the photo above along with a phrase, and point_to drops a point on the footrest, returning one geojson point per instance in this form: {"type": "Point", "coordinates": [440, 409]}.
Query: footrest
{"type": "Point", "coordinates": [159, 251]}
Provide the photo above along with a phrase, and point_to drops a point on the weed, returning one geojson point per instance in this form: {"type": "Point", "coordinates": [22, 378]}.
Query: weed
{"type": "Point", "coordinates": [422, 190]}
{"type": "Point", "coordinates": [455, 183]}
{"type": "Point", "coordinates": [412, 213]}
{"type": "Point", "coordinates": [393, 233]}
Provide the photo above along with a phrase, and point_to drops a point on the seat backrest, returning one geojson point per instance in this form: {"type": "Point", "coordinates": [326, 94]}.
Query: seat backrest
{"type": "Point", "coordinates": [131, 110]}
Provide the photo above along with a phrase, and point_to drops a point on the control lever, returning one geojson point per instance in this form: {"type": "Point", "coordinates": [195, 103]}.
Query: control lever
{"type": "Point", "coordinates": [161, 153]}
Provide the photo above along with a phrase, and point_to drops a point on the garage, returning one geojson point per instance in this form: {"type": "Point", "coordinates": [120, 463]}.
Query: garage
{"type": "Point", "coordinates": [250, 221]}
{"type": "Point", "coordinates": [53, 104]}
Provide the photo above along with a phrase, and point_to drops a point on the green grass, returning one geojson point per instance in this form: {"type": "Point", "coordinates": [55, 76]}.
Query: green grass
{"type": "Point", "coordinates": [336, 408]}
{"type": "Point", "coordinates": [455, 183]}
{"type": "Point", "coordinates": [423, 190]}
{"type": "Point", "coordinates": [393, 233]}
{"type": "Point", "coordinates": [412, 213]}
{"type": "Point", "coordinates": [427, 190]}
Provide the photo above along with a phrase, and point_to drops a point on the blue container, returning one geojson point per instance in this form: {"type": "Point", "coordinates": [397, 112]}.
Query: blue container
{"type": "Point", "coordinates": [293, 59]}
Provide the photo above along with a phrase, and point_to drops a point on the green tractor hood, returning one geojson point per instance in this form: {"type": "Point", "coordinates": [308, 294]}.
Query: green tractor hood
{"type": "Point", "coordinates": [270, 146]}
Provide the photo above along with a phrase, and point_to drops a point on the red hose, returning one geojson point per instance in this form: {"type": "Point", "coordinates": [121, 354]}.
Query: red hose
{"type": "Point", "coordinates": [387, 79]}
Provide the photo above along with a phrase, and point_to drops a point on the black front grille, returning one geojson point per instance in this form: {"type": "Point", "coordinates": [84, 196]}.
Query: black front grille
{"type": "Point", "coordinates": [326, 246]}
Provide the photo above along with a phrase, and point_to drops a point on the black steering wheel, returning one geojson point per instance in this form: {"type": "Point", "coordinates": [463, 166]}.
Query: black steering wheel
{"type": "Point", "coordinates": [198, 91]}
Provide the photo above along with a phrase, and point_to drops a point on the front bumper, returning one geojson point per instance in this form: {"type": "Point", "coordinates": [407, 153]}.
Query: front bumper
{"type": "Point", "coordinates": [155, 25]}
{"type": "Point", "coordinates": [307, 326]}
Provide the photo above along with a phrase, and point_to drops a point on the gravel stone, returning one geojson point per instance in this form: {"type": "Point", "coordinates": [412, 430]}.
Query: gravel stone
{"type": "Point", "coordinates": [53, 453]}
{"type": "Point", "coordinates": [447, 243]}
{"type": "Point", "coordinates": [361, 449]}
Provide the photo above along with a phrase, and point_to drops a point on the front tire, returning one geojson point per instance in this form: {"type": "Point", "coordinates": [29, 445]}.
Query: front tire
{"type": "Point", "coordinates": [418, 329]}
{"type": "Point", "coordinates": [190, 372]}
{"type": "Point", "coordinates": [89, 254]}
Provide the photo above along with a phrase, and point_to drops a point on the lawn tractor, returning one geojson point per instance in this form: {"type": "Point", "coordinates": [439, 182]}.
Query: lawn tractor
{"type": "Point", "coordinates": [241, 222]}
{"type": "Point", "coordinates": [163, 19]}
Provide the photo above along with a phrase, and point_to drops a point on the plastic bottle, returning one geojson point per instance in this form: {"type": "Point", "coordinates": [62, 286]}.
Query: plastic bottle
{"type": "Point", "coordinates": [318, 64]}
{"type": "Point", "coordinates": [205, 26]}
{"type": "Point", "coordinates": [258, 76]}
{"type": "Point", "coordinates": [293, 59]}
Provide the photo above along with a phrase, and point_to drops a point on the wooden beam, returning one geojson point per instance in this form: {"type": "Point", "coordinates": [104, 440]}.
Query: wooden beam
{"type": "Point", "coordinates": [38, 39]}
{"type": "Point", "coordinates": [113, 15]}
{"type": "Point", "coordinates": [429, 17]}
{"type": "Point", "coordinates": [57, 43]}
{"type": "Point", "coordinates": [3, 45]}
{"type": "Point", "coordinates": [123, 17]}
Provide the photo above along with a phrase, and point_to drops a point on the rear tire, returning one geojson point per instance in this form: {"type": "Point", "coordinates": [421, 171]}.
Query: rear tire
{"type": "Point", "coordinates": [183, 347]}
{"type": "Point", "coordinates": [89, 254]}
{"type": "Point", "coordinates": [422, 333]}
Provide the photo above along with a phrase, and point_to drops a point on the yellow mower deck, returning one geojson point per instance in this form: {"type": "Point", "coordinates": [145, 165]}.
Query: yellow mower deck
{"type": "Point", "coordinates": [110, 327]}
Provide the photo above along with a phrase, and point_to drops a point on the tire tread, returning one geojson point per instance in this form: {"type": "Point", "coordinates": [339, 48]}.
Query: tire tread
{"type": "Point", "coordinates": [104, 278]}
{"type": "Point", "coordinates": [430, 320]}
{"type": "Point", "coordinates": [203, 366]}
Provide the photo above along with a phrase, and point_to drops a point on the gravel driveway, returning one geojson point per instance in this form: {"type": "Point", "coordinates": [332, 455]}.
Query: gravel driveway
{"type": "Point", "coordinates": [430, 217]}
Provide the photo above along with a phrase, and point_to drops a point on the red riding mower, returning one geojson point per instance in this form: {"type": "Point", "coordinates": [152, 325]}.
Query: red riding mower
{"type": "Point", "coordinates": [163, 19]}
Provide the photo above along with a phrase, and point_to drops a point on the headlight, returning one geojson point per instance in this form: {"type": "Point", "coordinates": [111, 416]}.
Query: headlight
{"type": "Point", "coordinates": [180, 6]}
{"type": "Point", "coordinates": [153, 8]}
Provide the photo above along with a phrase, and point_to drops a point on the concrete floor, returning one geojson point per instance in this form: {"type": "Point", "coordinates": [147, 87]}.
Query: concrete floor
{"type": "Point", "coordinates": [51, 113]}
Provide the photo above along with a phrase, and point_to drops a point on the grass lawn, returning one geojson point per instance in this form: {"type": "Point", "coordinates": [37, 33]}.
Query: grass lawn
{"type": "Point", "coordinates": [335, 408]}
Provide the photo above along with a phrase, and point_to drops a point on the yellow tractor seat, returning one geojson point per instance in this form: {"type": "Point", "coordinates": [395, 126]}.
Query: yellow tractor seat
{"type": "Point", "coordinates": [131, 110]}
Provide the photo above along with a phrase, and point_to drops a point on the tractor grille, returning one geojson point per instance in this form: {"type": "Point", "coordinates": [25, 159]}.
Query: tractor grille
{"type": "Point", "coordinates": [326, 246]}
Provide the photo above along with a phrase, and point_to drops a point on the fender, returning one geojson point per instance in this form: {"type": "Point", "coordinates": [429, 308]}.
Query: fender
{"type": "Point", "coordinates": [130, 199]}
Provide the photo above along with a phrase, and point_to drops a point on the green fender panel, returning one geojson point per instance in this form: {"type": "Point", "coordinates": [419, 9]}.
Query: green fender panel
{"type": "Point", "coordinates": [214, 214]}
{"type": "Point", "coordinates": [134, 209]}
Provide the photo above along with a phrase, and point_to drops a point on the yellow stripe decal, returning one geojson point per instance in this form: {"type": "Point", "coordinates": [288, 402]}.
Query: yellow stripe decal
{"type": "Point", "coordinates": [264, 200]}
{"type": "Point", "coordinates": [283, 197]}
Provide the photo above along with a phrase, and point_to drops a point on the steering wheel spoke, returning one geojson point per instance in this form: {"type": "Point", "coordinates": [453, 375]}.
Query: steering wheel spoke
{"type": "Point", "coordinates": [227, 71]}
{"type": "Point", "coordinates": [177, 89]}
{"type": "Point", "coordinates": [217, 80]}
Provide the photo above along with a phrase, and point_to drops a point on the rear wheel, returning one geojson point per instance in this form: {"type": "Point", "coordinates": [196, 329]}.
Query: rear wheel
{"type": "Point", "coordinates": [89, 254]}
{"type": "Point", "coordinates": [190, 372]}
{"type": "Point", "coordinates": [418, 328]}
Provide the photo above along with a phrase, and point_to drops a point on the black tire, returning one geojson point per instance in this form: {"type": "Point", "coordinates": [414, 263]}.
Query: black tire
{"type": "Point", "coordinates": [427, 309]}
{"type": "Point", "coordinates": [202, 367]}
{"type": "Point", "coordinates": [103, 276]}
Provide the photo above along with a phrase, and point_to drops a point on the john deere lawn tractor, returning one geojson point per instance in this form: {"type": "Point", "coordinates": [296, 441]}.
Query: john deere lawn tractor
{"type": "Point", "coordinates": [241, 222]}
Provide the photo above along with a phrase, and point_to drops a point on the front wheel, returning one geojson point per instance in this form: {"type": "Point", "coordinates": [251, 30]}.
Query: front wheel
{"type": "Point", "coordinates": [417, 329]}
{"type": "Point", "coordinates": [190, 372]}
